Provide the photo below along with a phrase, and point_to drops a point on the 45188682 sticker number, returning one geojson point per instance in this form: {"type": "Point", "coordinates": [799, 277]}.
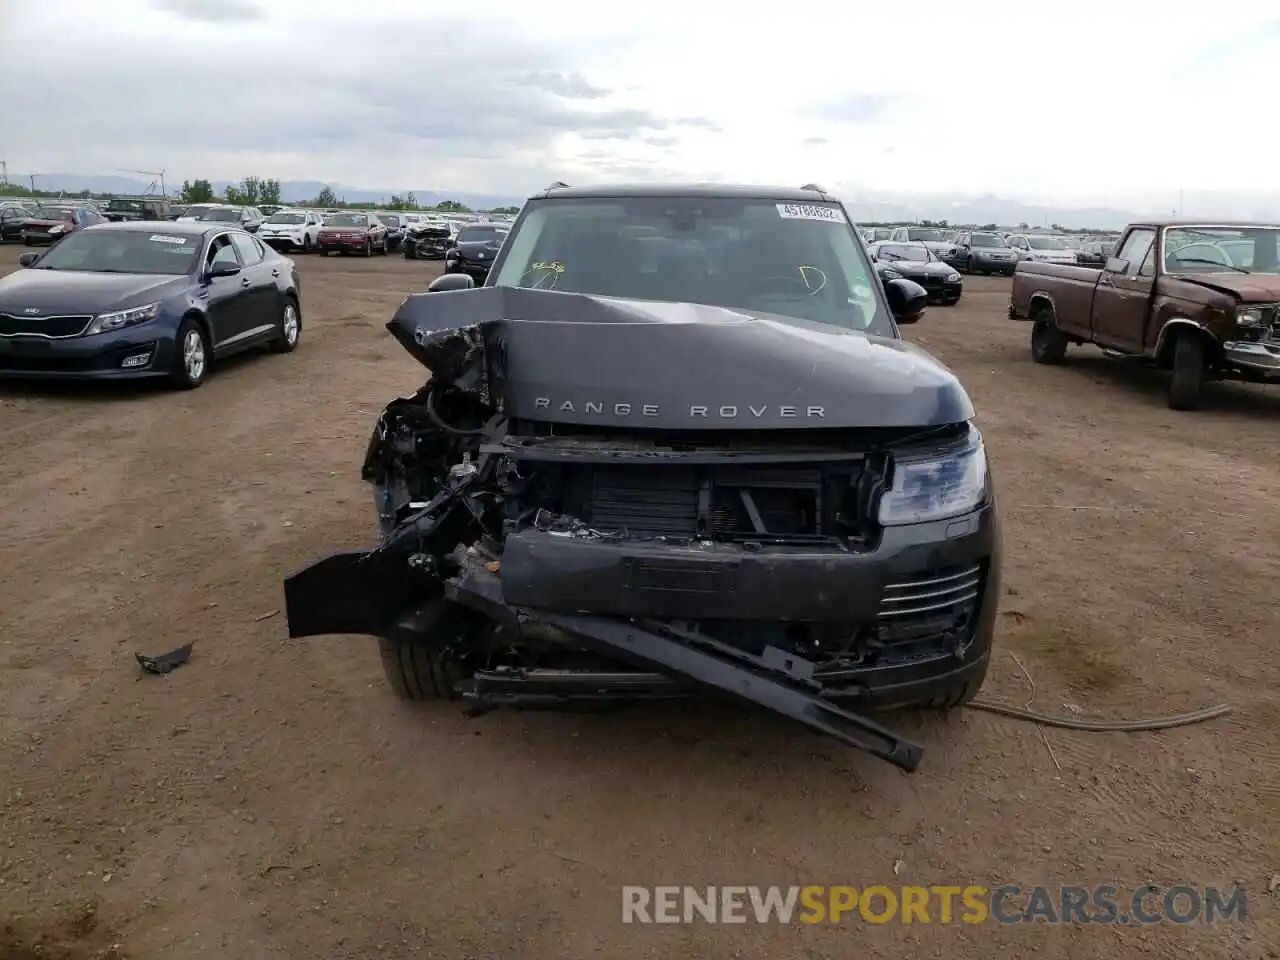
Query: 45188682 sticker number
{"type": "Point", "coordinates": [811, 211]}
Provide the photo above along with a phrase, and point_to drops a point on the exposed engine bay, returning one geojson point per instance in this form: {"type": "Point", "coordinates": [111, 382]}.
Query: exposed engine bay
{"type": "Point", "coordinates": [551, 535]}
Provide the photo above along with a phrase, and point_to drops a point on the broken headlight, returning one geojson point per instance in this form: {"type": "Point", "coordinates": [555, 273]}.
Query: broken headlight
{"type": "Point", "coordinates": [937, 486]}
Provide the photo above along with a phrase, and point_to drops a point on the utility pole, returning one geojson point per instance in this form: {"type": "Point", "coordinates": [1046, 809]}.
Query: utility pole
{"type": "Point", "coordinates": [4, 174]}
{"type": "Point", "coordinates": [32, 178]}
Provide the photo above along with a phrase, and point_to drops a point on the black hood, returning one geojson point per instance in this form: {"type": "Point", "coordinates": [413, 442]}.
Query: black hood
{"type": "Point", "coordinates": [51, 292]}
{"type": "Point", "coordinates": [577, 359]}
{"type": "Point", "coordinates": [474, 249]}
{"type": "Point", "coordinates": [918, 268]}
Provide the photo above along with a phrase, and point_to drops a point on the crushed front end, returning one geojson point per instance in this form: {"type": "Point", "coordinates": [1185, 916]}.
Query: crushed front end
{"type": "Point", "coordinates": [815, 570]}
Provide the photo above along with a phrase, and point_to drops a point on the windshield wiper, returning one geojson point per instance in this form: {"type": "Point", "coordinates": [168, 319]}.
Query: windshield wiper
{"type": "Point", "coordinates": [1214, 263]}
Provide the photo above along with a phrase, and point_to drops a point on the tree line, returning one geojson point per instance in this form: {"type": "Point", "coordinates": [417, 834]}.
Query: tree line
{"type": "Point", "coordinates": [254, 191]}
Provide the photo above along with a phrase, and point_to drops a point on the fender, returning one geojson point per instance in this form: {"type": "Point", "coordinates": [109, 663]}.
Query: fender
{"type": "Point", "coordinates": [1171, 325]}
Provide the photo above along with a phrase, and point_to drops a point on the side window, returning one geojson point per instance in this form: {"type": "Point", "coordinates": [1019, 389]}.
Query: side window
{"type": "Point", "coordinates": [247, 247]}
{"type": "Point", "coordinates": [1136, 249]}
{"type": "Point", "coordinates": [221, 251]}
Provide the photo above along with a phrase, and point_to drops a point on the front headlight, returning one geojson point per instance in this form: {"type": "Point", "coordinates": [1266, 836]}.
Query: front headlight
{"type": "Point", "coordinates": [891, 274]}
{"type": "Point", "coordinates": [952, 278]}
{"type": "Point", "coordinates": [59, 228]}
{"type": "Point", "coordinates": [1249, 318]}
{"type": "Point", "coordinates": [105, 322]}
{"type": "Point", "coordinates": [936, 487]}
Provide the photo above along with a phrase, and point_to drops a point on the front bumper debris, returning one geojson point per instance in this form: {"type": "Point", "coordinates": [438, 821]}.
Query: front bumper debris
{"type": "Point", "coordinates": [669, 663]}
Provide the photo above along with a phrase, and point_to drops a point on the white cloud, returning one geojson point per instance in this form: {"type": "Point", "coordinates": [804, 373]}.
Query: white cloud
{"type": "Point", "coordinates": [1120, 101]}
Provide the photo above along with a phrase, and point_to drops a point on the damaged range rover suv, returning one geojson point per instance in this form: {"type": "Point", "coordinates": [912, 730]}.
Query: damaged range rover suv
{"type": "Point", "coordinates": [675, 444]}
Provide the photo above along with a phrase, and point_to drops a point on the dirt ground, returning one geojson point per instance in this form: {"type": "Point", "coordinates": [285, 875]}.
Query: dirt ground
{"type": "Point", "coordinates": [272, 799]}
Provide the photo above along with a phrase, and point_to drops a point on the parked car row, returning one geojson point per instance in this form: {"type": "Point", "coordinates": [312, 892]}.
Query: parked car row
{"type": "Point", "coordinates": [997, 252]}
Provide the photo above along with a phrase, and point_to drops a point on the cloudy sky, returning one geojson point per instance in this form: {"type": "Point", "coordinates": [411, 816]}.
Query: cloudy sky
{"type": "Point", "coordinates": [1096, 100]}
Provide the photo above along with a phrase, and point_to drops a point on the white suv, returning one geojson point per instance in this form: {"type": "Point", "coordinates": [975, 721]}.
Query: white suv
{"type": "Point", "coordinates": [291, 230]}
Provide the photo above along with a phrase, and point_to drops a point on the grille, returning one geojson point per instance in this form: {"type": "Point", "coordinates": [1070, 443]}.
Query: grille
{"type": "Point", "coordinates": [712, 502]}
{"type": "Point", "coordinates": [54, 328]}
{"type": "Point", "coordinates": [929, 615]}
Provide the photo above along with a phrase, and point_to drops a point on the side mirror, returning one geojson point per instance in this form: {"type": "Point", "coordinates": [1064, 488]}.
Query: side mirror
{"type": "Point", "coordinates": [907, 300]}
{"type": "Point", "coordinates": [1116, 265]}
{"type": "Point", "coordinates": [222, 268]}
{"type": "Point", "coordinates": [448, 282]}
{"type": "Point", "coordinates": [27, 259]}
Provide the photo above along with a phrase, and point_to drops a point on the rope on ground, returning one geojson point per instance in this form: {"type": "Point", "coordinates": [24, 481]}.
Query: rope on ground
{"type": "Point", "coordinates": [1101, 726]}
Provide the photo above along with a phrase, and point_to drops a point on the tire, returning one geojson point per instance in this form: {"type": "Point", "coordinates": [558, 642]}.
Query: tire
{"type": "Point", "coordinates": [306, 244]}
{"type": "Point", "coordinates": [410, 251]}
{"type": "Point", "coordinates": [1189, 368]}
{"type": "Point", "coordinates": [285, 341]}
{"type": "Point", "coordinates": [962, 692]}
{"type": "Point", "coordinates": [368, 249]}
{"type": "Point", "coordinates": [187, 373]}
{"type": "Point", "coordinates": [1048, 343]}
{"type": "Point", "coordinates": [422, 668]}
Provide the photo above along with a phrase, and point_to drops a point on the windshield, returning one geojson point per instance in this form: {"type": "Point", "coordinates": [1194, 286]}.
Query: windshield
{"type": "Point", "coordinates": [389, 219]}
{"type": "Point", "coordinates": [54, 213]}
{"type": "Point", "coordinates": [480, 234]}
{"type": "Point", "coordinates": [1222, 249]}
{"type": "Point", "coordinates": [287, 218]}
{"type": "Point", "coordinates": [1046, 243]}
{"type": "Point", "coordinates": [122, 251]}
{"type": "Point", "coordinates": [219, 214]}
{"type": "Point", "coordinates": [347, 220]}
{"type": "Point", "coordinates": [986, 240]}
{"type": "Point", "coordinates": [755, 255]}
{"type": "Point", "coordinates": [897, 251]}
{"type": "Point", "coordinates": [927, 236]}
{"type": "Point", "coordinates": [132, 205]}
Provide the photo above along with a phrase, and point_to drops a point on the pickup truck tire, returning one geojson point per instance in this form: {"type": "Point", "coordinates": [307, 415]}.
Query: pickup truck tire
{"type": "Point", "coordinates": [1189, 369]}
{"type": "Point", "coordinates": [1048, 343]}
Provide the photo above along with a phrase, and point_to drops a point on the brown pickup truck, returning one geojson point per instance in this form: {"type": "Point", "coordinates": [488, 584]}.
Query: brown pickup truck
{"type": "Point", "coordinates": [1199, 298]}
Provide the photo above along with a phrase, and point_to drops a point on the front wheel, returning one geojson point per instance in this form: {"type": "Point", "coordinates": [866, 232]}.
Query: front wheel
{"type": "Point", "coordinates": [191, 358]}
{"type": "Point", "coordinates": [1190, 368]}
{"type": "Point", "coordinates": [368, 249]}
{"type": "Point", "coordinates": [306, 244]}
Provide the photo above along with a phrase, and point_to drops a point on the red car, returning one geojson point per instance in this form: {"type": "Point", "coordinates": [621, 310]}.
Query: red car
{"type": "Point", "coordinates": [53, 221]}
{"type": "Point", "coordinates": [352, 233]}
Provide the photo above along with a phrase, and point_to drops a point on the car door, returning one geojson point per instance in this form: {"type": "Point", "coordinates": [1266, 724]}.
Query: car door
{"type": "Point", "coordinates": [11, 219]}
{"type": "Point", "coordinates": [1122, 299]}
{"type": "Point", "coordinates": [259, 275]}
{"type": "Point", "coordinates": [225, 297]}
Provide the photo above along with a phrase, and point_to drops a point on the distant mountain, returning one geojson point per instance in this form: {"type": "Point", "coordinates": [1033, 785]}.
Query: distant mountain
{"type": "Point", "coordinates": [291, 191]}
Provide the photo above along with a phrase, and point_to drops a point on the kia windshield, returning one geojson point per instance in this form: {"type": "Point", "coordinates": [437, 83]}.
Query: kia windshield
{"type": "Point", "coordinates": [286, 218]}
{"type": "Point", "coordinates": [1046, 243]}
{"type": "Point", "coordinates": [122, 251]}
{"type": "Point", "coordinates": [53, 213]}
{"type": "Point", "coordinates": [756, 256]}
{"type": "Point", "coordinates": [480, 235]}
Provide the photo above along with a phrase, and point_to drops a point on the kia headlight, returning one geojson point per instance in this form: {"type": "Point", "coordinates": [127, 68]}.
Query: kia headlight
{"type": "Point", "coordinates": [891, 274]}
{"type": "Point", "coordinates": [953, 278]}
{"type": "Point", "coordinates": [936, 486]}
{"type": "Point", "coordinates": [105, 322]}
{"type": "Point", "coordinates": [58, 228]}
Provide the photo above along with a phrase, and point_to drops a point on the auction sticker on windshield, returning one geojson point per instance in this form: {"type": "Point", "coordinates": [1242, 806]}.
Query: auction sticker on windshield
{"type": "Point", "coordinates": [810, 211]}
{"type": "Point", "coordinates": [159, 238]}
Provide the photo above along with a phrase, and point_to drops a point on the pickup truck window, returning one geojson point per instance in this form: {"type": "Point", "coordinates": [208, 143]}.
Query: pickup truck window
{"type": "Point", "coordinates": [1136, 248]}
{"type": "Point", "coordinates": [1222, 249]}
